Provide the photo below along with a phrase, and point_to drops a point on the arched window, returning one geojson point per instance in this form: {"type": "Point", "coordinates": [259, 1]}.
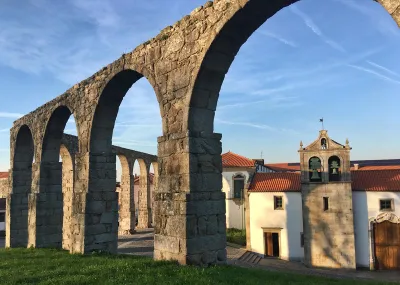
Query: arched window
{"type": "Point", "coordinates": [238, 186]}
{"type": "Point", "coordinates": [314, 165]}
{"type": "Point", "coordinates": [334, 168]}
{"type": "Point", "coordinates": [323, 144]}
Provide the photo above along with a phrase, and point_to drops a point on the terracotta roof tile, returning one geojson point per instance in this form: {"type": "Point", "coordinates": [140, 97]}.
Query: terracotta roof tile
{"type": "Point", "coordinates": [231, 159]}
{"type": "Point", "coordinates": [378, 167]}
{"type": "Point", "coordinates": [281, 167]}
{"type": "Point", "coordinates": [3, 175]}
{"type": "Point", "coordinates": [136, 180]}
{"type": "Point", "coordinates": [376, 180]}
{"type": "Point", "coordinates": [363, 180]}
{"type": "Point", "coordinates": [276, 182]}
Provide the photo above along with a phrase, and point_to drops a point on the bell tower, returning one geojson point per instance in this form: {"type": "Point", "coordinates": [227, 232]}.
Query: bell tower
{"type": "Point", "coordinates": [328, 225]}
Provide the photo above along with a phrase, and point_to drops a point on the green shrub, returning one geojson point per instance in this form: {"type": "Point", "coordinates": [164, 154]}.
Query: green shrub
{"type": "Point", "coordinates": [236, 236]}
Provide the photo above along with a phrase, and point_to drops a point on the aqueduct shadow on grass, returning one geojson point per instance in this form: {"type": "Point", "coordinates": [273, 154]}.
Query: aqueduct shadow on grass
{"type": "Point", "coordinates": [186, 65]}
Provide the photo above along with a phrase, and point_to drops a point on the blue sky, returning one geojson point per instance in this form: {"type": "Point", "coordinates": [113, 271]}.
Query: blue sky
{"type": "Point", "coordinates": [337, 61]}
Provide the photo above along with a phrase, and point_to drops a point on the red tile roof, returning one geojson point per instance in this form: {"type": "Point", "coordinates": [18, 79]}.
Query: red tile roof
{"type": "Point", "coordinates": [136, 180]}
{"type": "Point", "coordinates": [281, 167]}
{"type": "Point", "coordinates": [363, 180]}
{"type": "Point", "coordinates": [3, 175]}
{"type": "Point", "coordinates": [231, 159]}
{"type": "Point", "coordinates": [376, 180]}
{"type": "Point", "coordinates": [276, 182]}
{"type": "Point", "coordinates": [287, 167]}
{"type": "Point", "coordinates": [378, 167]}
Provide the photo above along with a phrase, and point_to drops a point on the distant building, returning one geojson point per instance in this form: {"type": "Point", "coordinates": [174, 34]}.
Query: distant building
{"type": "Point", "coordinates": [136, 193]}
{"type": "Point", "coordinates": [237, 171]}
{"type": "Point", "coordinates": [327, 211]}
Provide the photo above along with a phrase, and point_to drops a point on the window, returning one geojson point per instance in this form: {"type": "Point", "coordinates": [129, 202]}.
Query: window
{"type": "Point", "coordinates": [386, 205]}
{"type": "Point", "coordinates": [2, 217]}
{"type": "Point", "coordinates": [278, 203]}
{"type": "Point", "coordinates": [323, 144]}
{"type": "Point", "coordinates": [238, 186]}
{"type": "Point", "coordinates": [326, 203]}
{"type": "Point", "coordinates": [302, 239]}
{"type": "Point", "coordinates": [315, 169]}
{"type": "Point", "coordinates": [334, 168]}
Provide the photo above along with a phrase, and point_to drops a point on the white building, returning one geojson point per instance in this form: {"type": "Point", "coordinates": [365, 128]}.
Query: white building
{"type": "Point", "coordinates": [275, 226]}
{"type": "Point", "coordinates": [237, 171]}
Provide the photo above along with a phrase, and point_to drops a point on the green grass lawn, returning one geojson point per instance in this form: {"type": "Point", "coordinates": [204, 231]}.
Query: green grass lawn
{"type": "Point", "coordinates": [236, 236]}
{"type": "Point", "coordinates": [46, 266]}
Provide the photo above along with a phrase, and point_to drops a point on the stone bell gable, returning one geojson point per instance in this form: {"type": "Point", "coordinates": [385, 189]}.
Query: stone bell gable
{"type": "Point", "coordinates": [327, 203]}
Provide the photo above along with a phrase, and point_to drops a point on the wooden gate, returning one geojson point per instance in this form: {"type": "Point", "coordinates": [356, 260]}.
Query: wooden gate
{"type": "Point", "coordinates": [387, 245]}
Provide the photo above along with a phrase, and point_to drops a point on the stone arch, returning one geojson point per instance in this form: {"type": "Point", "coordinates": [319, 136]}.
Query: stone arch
{"type": "Point", "coordinates": [236, 22]}
{"type": "Point", "coordinates": [21, 185]}
{"type": "Point", "coordinates": [144, 220]}
{"type": "Point", "coordinates": [107, 109]}
{"type": "Point", "coordinates": [68, 191]}
{"type": "Point", "coordinates": [101, 162]}
{"type": "Point", "coordinates": [315, 176]}
{"type": "Point", "coordinates": [54, 132]}
{"type": "Point", "coordinates": [47, 199]}
{"type": "Point", "coordinates": [126, 203]}
{"type": "Point", "coordinates": [332, 175]}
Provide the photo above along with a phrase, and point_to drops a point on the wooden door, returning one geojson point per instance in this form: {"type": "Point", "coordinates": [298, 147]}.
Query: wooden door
{"type": "Point", "coordinates": [387, 245]}
{"type": "Point", "coordinates": [269, 250]}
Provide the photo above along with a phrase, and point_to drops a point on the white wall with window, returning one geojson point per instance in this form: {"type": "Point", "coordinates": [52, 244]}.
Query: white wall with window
{"type": "Point", "coordinates": [277, 215]}
{"type": "Point", "coordinates": [233, 183]}
{"type": "Point", "coordinates": [368, 205]}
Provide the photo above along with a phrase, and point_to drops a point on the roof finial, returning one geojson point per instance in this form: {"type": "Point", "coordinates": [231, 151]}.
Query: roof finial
{"type": "Point", "coordinates": [301, 144]}
{"type": "Point", "coordinates": [322, 121]}
{"type": "Point", "coordinates": [347, 142]}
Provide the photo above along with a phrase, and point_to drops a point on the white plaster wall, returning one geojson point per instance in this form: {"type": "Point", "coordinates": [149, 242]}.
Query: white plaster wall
{"type": "Point", "coordinates": [262, 214]}
{"type": "Point", "coordinates": [235, 217]}
{"type": "Point", "coordinates": [365, 207]}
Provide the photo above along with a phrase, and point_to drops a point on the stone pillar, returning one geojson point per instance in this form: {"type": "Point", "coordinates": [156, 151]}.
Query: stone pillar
{"type": "Point", "coordinates": [94, 223]}
{"type": "Point", "coordinates": [189, 203]}
{"type": "Point", "coordinates": [144, 219]}
{"type": "Point", "coordinates": [17, 207]}
{"type": "Point", "coordinates": [67, 190]}
{"type": "Point", "coordinates": [127, 206]}
{"type": "Point", "coordinates": [45, 217]}
{"type": "Point", "coordinates": [17, 220]}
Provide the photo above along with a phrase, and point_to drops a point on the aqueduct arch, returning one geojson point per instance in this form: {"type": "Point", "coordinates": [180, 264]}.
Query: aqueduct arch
{"type": "Point", "coordinates": [186, 64]}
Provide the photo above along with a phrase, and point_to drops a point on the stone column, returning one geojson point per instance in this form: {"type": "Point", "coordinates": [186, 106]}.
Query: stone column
{"type": "Point", "coordinates": [17, 207]}
{"type": "Point", "coordinates": [45, 216]}
{"type": "Point", "coordinates": [67, 190]}
{"type": "Point", "coordinates": [144, 219]}
{"type": "Point", "coordinates": [189, 203]}
{"type": "Point", "coordinates": [127, 206]}
{"type": "Point", "coordinates": [95, 204]}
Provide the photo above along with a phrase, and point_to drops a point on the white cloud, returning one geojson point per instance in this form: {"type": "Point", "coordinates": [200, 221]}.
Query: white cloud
{"type": "Point", "coordinates": [278, 37]}
{"type": "Point", "coordinates": [10, 115]}
{"type": "Point", "coordinates": [316, 30]}
{"type": "Point", "coordinates": [374, 73]}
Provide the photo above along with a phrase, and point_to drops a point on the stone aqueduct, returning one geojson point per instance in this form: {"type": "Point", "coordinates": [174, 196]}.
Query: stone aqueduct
{"type": "Point", "coordinates": [186, 65]}
{"type": "Point", "coordinates": [127, 217]}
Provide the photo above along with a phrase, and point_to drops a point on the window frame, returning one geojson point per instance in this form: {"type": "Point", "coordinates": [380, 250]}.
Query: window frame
{"type": "Point", "coordinates": [275, 203]}
{"type": "Point", "coordinates": [325, 203]}
{"type": "Point", "coordinates": [301, 239]}
{"type": "Point", "coordinates": [391, 209]}
{"type": "Point", "coordinates": [240, 177]}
